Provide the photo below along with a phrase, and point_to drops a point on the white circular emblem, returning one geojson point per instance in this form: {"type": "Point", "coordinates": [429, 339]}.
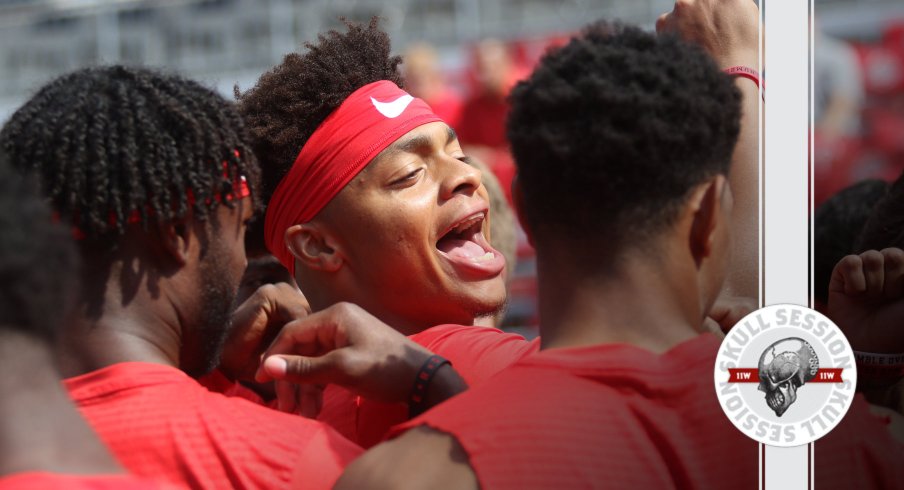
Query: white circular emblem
{"type": "Point", "coordinates": [785, 375]}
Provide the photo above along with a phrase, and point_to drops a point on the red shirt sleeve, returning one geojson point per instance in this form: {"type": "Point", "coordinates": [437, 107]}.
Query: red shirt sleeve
{"type": "Point", "coordinates": [477, 353]}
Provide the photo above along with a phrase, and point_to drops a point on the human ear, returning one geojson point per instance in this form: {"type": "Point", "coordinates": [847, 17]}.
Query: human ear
{"type": "Point", "coordinates": [706, 207]}
{"type": "Point", "coordinates": [314, 246]}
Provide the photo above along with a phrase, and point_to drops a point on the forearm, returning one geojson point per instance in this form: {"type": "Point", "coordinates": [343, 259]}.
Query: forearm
{"type": "Point", "coordinates": [742, 279]}
{"type": "Point", "coordinates": [743, 276]}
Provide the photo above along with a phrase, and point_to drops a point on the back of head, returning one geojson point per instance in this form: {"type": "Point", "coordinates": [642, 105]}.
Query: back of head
{"type": "Point", "coordinates": [884, 227]}
{"type": "Point", "coordinates": [838, 223]}
{"type": "Point", "coordinates": [612, 131]}
{"type": "Point", "coordinates": [290, 101]}
{"type": "Point", "coordinates": [117, 145]}
{"type": "Point", "coordinates": [37, 260]}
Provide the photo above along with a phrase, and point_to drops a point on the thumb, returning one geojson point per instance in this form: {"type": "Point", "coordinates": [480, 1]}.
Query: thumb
{"type": "Point", "coordinates": [323, 369]}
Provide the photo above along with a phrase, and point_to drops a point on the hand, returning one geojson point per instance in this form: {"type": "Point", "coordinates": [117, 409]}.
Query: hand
{"type": "Point", "coordinates": [347, 346]}
{"type": "Point", "coordinates": [255, 323]}
{"type": "Point", "coordinates": [727, 29]}
{"type": "Point", "coordinates": [866, 300]}
{"type": "Point", "coordinates": [729, 310]}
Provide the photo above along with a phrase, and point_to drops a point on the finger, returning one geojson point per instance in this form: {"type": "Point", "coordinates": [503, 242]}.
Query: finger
{"type": "Point", "coordinates": [310, 400]}
{"type": "Point", "coordinates": [847, 276]}
{"type": "Point", "coordinates": [894, 272]}
{"type": "Point", "coordinates": [873, 272]}
{"type": "Point", "coordinates": [305, 336]}
{"type": "Point", "coordinates": [325, 369]}
{"type": "Point", "coordinates": [286, 397]}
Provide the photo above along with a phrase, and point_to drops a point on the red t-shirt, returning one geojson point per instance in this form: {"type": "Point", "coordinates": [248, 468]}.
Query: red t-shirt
{"type": "Point", "coordinates": [477, 353]}
{"type": "Point", "coordinates": [613, 416]}
{"type": "Point", "coordinates": [35, 480]}
{"type": "Point", "coordinates": [162, 424]}
{"type": "Point", "coordinates": [858, 453]}
{"type": "Point", "coordinates": [619, 416]}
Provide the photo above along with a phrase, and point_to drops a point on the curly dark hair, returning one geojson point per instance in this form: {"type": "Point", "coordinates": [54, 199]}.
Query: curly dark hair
{"type": "Point", "coordinates": [291, 100]}
{"type": "Point", "coordinates": [111, 141]}
{"type": "Point", "coordinates": [612, 130]}
{"type": "Point", "coordinates": [884, 227]}
{"type": "Point", "coordinates": [837, 223]}
{"type": "Point", "coordinates": [37, 260]}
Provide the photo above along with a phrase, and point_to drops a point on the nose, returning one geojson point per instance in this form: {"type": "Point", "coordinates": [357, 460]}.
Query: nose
{"type": "Point", "coordinates": [459, 178]}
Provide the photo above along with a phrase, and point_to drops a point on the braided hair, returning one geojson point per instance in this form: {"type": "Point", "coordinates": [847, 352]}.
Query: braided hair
{"type": "Point", "coordinates": [109, 143]}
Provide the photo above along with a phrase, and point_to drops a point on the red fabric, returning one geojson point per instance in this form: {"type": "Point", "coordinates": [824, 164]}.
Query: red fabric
{"type": "Point", "coordinates": [162, 424]}
{"type": "Point", "coordinates": [483, 121]}
{"type": "Point", "coordinates": [613, 416]}
{"type": "Point", "coordinates": [858, 453]}
{"type": "Point", "coordinates": [217, 382]}
{"type": "Point", "coordinates": [447, 105]}
{"type": "Point", "coordinates": [369, 120]}
{"type": "Point", "coordinates": [477, 353]}
{"type": "Point", "coordinates": [45, 481]}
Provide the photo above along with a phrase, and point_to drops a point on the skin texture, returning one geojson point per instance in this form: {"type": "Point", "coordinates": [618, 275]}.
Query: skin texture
{"type": "Point", "coordinates": [730, 35]}
{"type": "Point", "coordinates": [374, 244]}
{"type": "Point", "coordinates": [653, 297]}
{"type": "Point", "coordinates": [172, 291]}
{"type": "Point", "coordinates": [41, 430]}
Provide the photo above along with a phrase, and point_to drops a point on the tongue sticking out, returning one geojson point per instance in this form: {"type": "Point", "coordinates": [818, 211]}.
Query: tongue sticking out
{"type": "Point", "coordinates": [456, 247]}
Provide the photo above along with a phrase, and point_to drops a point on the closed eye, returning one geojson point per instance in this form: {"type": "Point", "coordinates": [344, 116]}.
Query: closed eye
{"type": "Point", "coordinates": [408, 178]}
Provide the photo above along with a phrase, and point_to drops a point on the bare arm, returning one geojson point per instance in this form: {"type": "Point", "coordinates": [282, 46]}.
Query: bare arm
{"type": "Point", "coordinates": [420, 458]}
{"type": "Point", "coordinates": [729, 31]}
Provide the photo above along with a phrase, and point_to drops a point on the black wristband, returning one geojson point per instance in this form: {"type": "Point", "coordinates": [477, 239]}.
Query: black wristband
{"type": "Point", "coordinates": [421, 382]}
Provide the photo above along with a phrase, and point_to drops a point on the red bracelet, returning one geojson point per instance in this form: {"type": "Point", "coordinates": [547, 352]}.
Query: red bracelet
{"type": "Point", "coordinates": [422, 381]}
{"type": "Point", "coordinates": [750, 73]}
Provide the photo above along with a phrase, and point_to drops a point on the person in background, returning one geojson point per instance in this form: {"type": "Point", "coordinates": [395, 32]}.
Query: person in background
{"type": "Point", "coordinates": [45, 441]}
{"type": "Point", "coordinates": [425, 80]}
{"type": "Point", "coordinates": [154, 174]}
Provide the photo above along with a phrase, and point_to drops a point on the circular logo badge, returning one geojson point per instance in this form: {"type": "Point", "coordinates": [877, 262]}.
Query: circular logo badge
{"type": "Point", "coordinates": [785, 375]}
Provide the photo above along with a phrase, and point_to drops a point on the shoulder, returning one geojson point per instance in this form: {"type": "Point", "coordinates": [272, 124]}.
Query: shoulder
{"type": "Point", "coordinates": [420, 458]}
{"type": "Point", "coordinates": [477, 353]}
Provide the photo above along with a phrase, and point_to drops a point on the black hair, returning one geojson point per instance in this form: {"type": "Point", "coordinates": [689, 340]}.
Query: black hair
{"type": "Point", "coordinates": [37, 260]}
{"type": "Point", "coordinates": [612, 131]}
{"type": "Point", "coordinates": [291, 100]}
{"type": "Point", "coordinates": [837, 223]}
{"type": "Point", "coordinates": [108, 142]}
{"type": "Point", "coordinates": [884, 227]}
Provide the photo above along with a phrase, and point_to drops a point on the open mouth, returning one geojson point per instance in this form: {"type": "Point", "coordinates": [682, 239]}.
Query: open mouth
{"type": "Point", "coordinates": [464, 244]}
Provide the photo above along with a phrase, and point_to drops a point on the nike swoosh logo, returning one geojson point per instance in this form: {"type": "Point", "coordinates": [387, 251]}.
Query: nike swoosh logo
{"type": "Point", "coordinates": [392, 109]}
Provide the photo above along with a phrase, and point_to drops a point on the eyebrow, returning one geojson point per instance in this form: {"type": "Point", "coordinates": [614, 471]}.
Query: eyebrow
{"type": "Point", "coordinates": [417, 142]}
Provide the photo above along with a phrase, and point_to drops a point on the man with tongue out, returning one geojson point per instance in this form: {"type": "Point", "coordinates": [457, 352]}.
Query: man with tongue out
{"type": "Point", "coordinates": [370, 200]}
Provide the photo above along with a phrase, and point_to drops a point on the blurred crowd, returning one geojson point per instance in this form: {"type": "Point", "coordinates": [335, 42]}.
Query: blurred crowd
{"type": "Point", "coordinates": [858, 109]}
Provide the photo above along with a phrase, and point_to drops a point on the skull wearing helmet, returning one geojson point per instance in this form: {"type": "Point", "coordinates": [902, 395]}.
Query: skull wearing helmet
{"type": "Point", "coordinates": [784, 367]}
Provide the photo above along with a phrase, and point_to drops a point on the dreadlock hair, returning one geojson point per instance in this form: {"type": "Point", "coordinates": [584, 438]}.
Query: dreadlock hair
{"type": "Point", "coordinates": [612, 131]}
{"type": "Point", "coordinates": [37, 260]}
{"type": "Point", "coordinates": [290, 101]}
{"type": "Point", "coordinates": [109, 142]}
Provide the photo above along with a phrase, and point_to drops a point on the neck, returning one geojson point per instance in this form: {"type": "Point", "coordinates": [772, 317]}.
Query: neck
{"type": "Point", "coordinates": [405, 324]}
{"type": "Point", "coordinates": [40, 428]}
{"type": "Point", "coordinates": [647, 302]}
{"type": "Point", "coordinates": [121, 319]}
{"type": "Point", "coordinates": [418, 316]}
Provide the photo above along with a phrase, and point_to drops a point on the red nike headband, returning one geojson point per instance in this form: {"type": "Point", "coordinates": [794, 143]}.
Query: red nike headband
{"type": "Point", "coordinates": [369, 120]}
